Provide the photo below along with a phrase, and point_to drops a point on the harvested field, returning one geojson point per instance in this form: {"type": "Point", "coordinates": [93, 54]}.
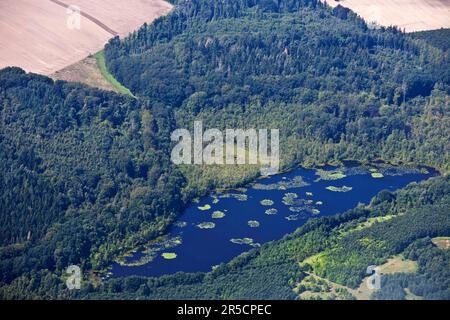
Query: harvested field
{"type": "Point", "coordinates": [411, 15]}
{"type": "Point", "coordinates": [85, 71]}
{"type": "Point", "coordinates": [35, 36]}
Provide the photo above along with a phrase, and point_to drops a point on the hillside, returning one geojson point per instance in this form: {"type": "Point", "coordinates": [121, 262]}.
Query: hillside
{"type": "Point", "coordinates": [350, 92]}
{"type": "Point", "coordinates": [408, 15]}
{"type": "Point", "coordinates": [35, 36]}
{"type": "Point", "coordinates": [85, 174]}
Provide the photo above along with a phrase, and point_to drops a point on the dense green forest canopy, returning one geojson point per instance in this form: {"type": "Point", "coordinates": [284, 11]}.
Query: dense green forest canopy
{"type": "Point", "coordinates": [336, 88]}
{"type": "Point", "coordinates": [439, 38]}
{"type": "Point", "coordinates": [85, 174]}
{"type": "Point", "coordinates": [82, 172]}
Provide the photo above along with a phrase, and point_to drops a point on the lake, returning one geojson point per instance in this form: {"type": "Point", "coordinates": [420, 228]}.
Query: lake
{"type": "Point", "coordinates": [219, 227]}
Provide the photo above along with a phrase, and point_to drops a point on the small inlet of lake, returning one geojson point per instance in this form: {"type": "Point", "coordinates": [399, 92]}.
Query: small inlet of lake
{"type": "Point", "coordinates": [218, 227]}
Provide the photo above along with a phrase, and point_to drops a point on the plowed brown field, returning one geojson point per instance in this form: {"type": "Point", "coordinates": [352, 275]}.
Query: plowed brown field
{"type": "Point", "coordinates": [411, 15]}
{"type": "Point", "coordinates": [34, 34]}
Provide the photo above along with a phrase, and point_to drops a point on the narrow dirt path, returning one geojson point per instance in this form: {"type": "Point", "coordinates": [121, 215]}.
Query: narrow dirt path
{"type": "Point", "coordinates": [88, 16]}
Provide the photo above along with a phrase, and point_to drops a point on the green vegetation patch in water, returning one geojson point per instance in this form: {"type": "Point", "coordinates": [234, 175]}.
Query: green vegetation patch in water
{"type": "Point", "coordinates": [271, 211]}
{"type": "Point", "coordinates": [206, 225]}
{"type": "Point", "coordinates": [237, 196]}
{"type": "Point", "coordinates": [253, 223]}
{"type": "Point", "coordinates": [248, 241]}
{"type": "Point", "coordinates": [151, 252]}
{"type": "Point", "coordinates": [169, 255]}
{"type": "Point", "coordinates": [267, 202]}
{"type": "Point", "coordinates": [292, 217]}
{"type": "Point", "coordinates": [339, 189]}
{"type": "Point", "coordinates": [205, 207]}
{"type": "Point", "coordinates": [295, 182]}
{"type": "Point", "coordinates": [180, 224]}
{"type": "Point", "coordinates": [218, 214]}
{"type": "Point", "coordinates": [377, 175]}
{"type": "Point", "coordinates": [330, 174]}
{"type": "Point", "coordinates": [289, 198]}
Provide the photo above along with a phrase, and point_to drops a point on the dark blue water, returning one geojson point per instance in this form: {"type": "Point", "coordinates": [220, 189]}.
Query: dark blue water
{"type": "Point", "coordinates": [200, 249]}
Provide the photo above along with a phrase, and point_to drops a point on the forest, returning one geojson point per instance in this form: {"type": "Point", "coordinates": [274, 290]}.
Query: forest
{"type": "Point", "coordinates": [85, 174]}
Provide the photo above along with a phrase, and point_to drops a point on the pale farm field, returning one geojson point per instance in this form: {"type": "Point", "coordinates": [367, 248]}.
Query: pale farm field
{"type": "Point", "coordinates": [34, 33]}
{"type": "Point", "coordinates": [410, 15]}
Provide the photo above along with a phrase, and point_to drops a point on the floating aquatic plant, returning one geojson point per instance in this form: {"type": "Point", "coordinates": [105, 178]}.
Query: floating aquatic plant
{"type": "Point", "coordinates": [296, 182]}
{"type": "Point", "coordinates": [289, 198]}
{"type": "Point", "coordinates": [206, 225]}
{"type": "Point", "coordinates": [205, 207]}
{"type": "Point", "coordinates": [271, 211]}
{"type": "Point", "coordinates": [319, 203]}
{"type": "Point", "coordinates": [296, 209]}
{"type": "Point", "coordinates": [169, 255]}
{"type": "Point", "coordinates": [310, 194]}
{"type": "Point", "coordinates": [218, 215]}
{"type": "Point", "coordinates": [389, 170]}
{"type": "Point", "coordinates": [248, 241]}
{"type": "Point", "coordinates": [180, 224]}
{"type": "Point", "coordinates": [339, 189]}
{"type": "Point", "coordinates": [315, 211]}
{"type": "Point", "coordinates": [330, 174]}
{"type": "Point", "coordinates": [266, 202]}
{"type": "Point", "coordinates": [237, 196]}
{"type": "Point", "coordinates": [253, 223]}
{"type": "Point", "coordinates": [292, 217]}
{"type": "Point", "coordinates": [377, 175]}
{"type": "Point", "coordinates": [151, 252]}
{"type": "Point", "coordinates": [242, 241]}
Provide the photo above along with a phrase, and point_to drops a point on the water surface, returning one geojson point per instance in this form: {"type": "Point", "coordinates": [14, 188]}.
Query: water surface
{"type": "Point", "coordinates": [264, 211]}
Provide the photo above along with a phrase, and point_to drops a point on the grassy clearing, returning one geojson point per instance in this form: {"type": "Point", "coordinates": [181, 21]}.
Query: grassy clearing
{"type": "Point", "coordinates": [398, 264]}
{"type": "Point", "coordinates": [85, 71]}
{"type": "Point", "coordinates": [366, 224]}
{"type": "Point", "coordinates": [315, 287]}
{"type": "Point", "coordinates": [100, 57]}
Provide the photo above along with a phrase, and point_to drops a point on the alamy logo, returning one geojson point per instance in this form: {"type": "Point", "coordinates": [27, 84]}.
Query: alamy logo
{"type": "Point", "coordinates": [74, 19]}
{"type": "Point", "coordinates": [237, 146]}
{"type": "Point", "coordinates": [74, 279]}
{"type": "Point", "coordinates": [374, 281]}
